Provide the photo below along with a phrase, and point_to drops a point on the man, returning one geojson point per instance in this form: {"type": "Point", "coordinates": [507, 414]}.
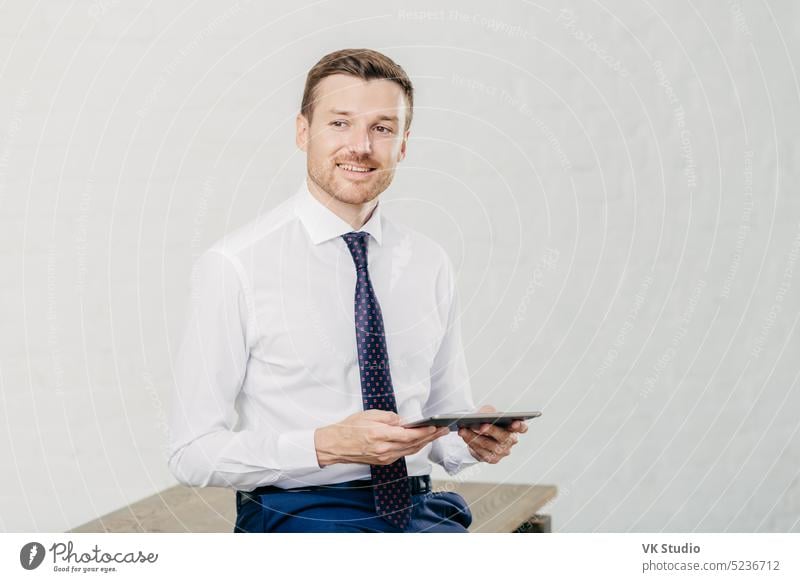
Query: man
{"type": "Point", "coordinates": [317, 329]}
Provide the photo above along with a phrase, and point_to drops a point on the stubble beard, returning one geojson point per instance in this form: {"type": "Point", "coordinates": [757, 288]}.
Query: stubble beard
{"type": "Point", "coordinates": [349, 192]}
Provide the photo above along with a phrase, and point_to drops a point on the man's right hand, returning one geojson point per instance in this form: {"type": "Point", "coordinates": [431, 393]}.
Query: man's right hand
{"type": "Point", "coordinates": [372, 437]}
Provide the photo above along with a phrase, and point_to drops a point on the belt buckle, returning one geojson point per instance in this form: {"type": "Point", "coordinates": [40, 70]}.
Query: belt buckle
{"type": "Point", "coordinates": [420, 485]}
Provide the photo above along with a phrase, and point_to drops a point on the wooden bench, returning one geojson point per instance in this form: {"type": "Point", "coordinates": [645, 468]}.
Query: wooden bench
{"type": "Point", "coordinates": [495, 508]}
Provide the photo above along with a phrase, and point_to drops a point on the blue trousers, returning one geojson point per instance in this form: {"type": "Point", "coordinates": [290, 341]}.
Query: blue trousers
{"type": "Point", "coordinates": [346, 510]}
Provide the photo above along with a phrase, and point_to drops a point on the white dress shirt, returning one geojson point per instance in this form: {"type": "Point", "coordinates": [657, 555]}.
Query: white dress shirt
{"type": "Point", "coordinates": [269, 350]}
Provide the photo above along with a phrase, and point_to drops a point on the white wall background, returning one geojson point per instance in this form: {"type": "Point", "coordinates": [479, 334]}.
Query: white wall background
{"type": "Point", "coordinates": [617, 182]}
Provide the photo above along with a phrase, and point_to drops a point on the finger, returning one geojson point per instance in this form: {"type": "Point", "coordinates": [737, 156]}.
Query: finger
{"type": "Point", "coordinates": [468, 434]}
{"type": "Point", "coordinates": [413, 449]}
{"type": "Point", "coordinates": [518, 426]}
{"type": "Point", "coordinates": [493, 431]}
{"type": "Point", "coordinates": [494, 453]}
{"type": "Point", "coordinates": [437, 434]}
{"type": "Point", "coordinates": [475, 454]}
{"type": "Point", "coordinates": [397, 450]}
{"type": "Point", "coordinates": [420, 436]}
{"type": "Point", "coordinates": [476, 440]}
{"type": "Point", "coordinates": [399, 434]}
{"type": "Point", "coordinates": [490, 444]}
{"type": "Point", "coordinates": [442, 431]}
{"type": "Point", "coordinates": [501, 433]}
{"type": "Point", "coordinates": [384, 416]}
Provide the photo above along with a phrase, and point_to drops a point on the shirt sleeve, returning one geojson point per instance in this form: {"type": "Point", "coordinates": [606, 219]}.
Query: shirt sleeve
{"type": "Point", "coordinates": [450, 383]}
{"type": "Point", "coordinates": [210, 366]}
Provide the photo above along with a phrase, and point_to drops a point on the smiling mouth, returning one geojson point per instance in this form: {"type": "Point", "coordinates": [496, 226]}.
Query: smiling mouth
{"type": "Point", "coordinates": [355, 168]}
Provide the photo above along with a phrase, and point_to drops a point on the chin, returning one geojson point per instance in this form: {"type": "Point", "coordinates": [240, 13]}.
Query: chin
{"type": "Point", "coordinates": [355, 193]}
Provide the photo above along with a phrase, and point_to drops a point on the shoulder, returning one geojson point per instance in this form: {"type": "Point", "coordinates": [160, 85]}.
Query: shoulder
{"type": "Point", "coordinates": [226, 258]}
{"type": "Point", "coordinates": [251, 234]}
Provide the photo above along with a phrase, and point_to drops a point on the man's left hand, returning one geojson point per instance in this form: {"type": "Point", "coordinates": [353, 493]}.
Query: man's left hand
{"type": "Point", "coordinates": [489, 442]}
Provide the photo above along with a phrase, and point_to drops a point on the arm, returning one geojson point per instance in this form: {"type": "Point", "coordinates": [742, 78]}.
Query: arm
{"type": "Point", "coordinates": [450, 384]}
{"type": "Point", "coordinates": [210, 367]}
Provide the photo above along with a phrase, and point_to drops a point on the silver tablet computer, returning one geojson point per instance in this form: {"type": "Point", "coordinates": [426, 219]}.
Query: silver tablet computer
{"type": "Point", "coordinates": [455, 421]}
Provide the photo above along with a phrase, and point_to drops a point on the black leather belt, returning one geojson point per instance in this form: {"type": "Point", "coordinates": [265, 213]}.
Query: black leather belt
{"type": "Point", "coordinates": [419, 485]}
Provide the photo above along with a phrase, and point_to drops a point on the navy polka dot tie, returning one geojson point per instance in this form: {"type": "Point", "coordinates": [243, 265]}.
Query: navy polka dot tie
{"type": "Point", "coordinates": [389, 482]}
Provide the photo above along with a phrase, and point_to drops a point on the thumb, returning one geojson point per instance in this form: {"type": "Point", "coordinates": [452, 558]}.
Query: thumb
{"type": "Point", "coordinates": [487, 408]}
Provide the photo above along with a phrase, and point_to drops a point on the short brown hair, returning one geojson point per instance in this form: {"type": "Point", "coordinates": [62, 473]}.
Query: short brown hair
{"type": "Point", "coordinates": [365, 64]}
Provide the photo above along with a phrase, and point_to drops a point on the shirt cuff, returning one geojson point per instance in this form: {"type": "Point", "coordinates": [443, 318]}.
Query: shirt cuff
{"type": "Point", "coordinates": [297, 451]}
{"type": "Point", "coordinates": [457, 455]}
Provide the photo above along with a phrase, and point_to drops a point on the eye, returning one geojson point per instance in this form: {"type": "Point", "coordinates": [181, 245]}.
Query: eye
{"type": "Point", "coordinates": [338, 123]}
{"type": "Point", "coordinates": [384, 128]}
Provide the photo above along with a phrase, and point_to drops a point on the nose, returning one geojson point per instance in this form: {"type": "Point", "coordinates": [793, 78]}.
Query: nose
{"type": "Point", "coordinates": [359, 142]}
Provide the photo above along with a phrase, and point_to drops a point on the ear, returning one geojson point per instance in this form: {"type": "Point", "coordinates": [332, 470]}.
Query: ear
{"type": "Point", "coordinates": [402, 155]}
{"type": "Point", "coordinates": [301, 132]}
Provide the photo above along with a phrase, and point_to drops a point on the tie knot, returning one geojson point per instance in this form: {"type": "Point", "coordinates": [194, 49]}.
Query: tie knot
{"type": "Point", "coordinates": [357, 243]}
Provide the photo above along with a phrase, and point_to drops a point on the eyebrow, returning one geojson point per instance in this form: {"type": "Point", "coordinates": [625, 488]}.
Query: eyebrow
{"type": "Point", "coordinates": [350, 113]}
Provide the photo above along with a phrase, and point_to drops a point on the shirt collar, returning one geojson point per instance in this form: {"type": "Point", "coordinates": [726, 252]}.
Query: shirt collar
{"type": "Point", "coordinates": [322, 224]}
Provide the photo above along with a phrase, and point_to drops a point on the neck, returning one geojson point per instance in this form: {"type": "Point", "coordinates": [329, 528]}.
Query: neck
{"type": "Point", "coordinates": [356, 215]}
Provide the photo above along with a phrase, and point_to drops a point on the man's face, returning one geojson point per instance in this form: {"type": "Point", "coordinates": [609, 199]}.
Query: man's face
{"type": "Point", "coordinates": [356, 136]}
